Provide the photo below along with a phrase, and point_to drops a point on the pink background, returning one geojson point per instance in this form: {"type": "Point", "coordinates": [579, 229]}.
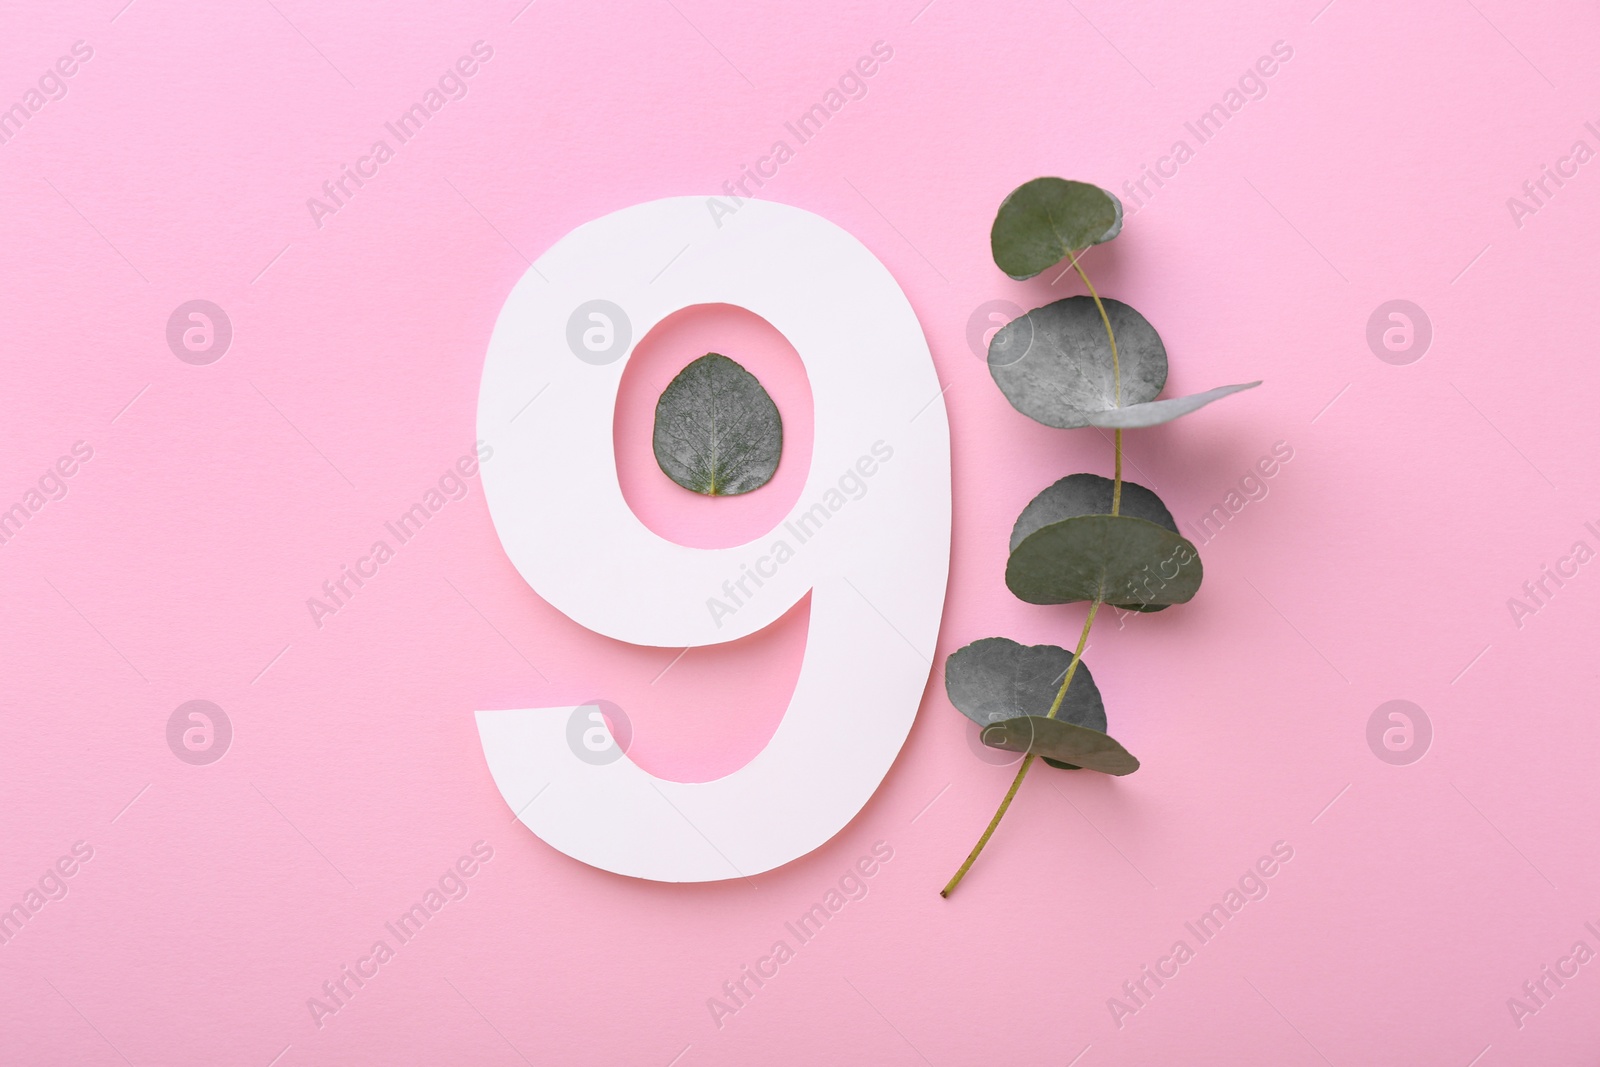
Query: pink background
{"type": "Point", "coordinates": [1418, 500]}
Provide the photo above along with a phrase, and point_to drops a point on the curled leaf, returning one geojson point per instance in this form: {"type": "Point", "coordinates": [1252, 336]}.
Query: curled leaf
{"type": "Point", "coordinates": [1054, 365]}
{"type": "Point", "coordinates": [1062, 744]}
{"type": "Point", "coordinates": [717, 431]}
{"type": "Point", "coordinates": [1044, 221]}
{"type": "Point", "coordinates": [1138, 416]}
{"type": "Point", "coordinates": [1117, 559]}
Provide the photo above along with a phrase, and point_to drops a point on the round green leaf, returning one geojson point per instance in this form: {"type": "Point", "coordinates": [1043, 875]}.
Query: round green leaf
{"type": "Point", "coordinates": [997, 678]}
{"type": "Point", "coordinates": [1115, 558]}
{"type": "Point", "coordinates": [717, 431]}
{"type": "Point", "coordinates": [1062, 744]}
{"type": "Point", "coordinates": [1054, 365]}
{"type": "Point", "coordinates": [1045, 220]}
{"type": "Point", "coordinates": [1090, 494]}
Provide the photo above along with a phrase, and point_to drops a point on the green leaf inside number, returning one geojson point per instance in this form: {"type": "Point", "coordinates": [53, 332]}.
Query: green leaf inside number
{"type": "Point", "coordinates": [717, 431]}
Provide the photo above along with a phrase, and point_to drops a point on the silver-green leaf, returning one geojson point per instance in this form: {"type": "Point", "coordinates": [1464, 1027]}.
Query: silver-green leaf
{"type": "Point", "coordinates": [717, 431]}
{"type": "Point", "coordinates": [997, 678]}
{"type": "Point", "coordinates": [1046, 220]}
{"type": "Point", "coordinates": [1054, 365]}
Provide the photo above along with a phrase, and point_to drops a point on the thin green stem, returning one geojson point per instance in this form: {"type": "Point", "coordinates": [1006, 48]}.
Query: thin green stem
{"type": "Point", "coordinates": [1077, 656]}
{"type": "Point", "coordinates": [1027, 761]}
{"type": "Point", "coordinates": [1116, 368]}
{"type": "Point", "coordinates": [1116, 484]}
{"type": "Point", "coordinates": [972, 857]}
{"type": "Point", "coordinates": [1116, 378]}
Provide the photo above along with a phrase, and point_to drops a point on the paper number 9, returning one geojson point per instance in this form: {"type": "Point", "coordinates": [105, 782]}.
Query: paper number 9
{"type": "Point", "coordinates": [876, 565]}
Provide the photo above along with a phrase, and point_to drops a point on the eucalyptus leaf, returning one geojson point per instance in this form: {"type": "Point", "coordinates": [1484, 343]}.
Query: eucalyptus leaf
{"type": "Point", "coordinates": [1062, 744]}
{"type": "Point", "coordinates": [1048, 219]}
{"type": "Point", "coordinates": [717, 431]}
{"type": "Point", "coordinates": [1115, 558]}
{"type": "Point", "coordinates": [1054, 365]}
{"type": "Point", "coordinates": [1090, 494]}
{"type": "Point", "coordinates": [997, 678]}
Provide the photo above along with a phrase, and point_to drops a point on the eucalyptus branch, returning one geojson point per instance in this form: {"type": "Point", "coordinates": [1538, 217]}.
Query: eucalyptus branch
{"type": "Point", "coordinates": [1084, 538]}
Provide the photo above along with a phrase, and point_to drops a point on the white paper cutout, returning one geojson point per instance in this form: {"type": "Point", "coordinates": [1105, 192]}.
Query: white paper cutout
{"type": "Point", "coordinates": [877, 562]}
